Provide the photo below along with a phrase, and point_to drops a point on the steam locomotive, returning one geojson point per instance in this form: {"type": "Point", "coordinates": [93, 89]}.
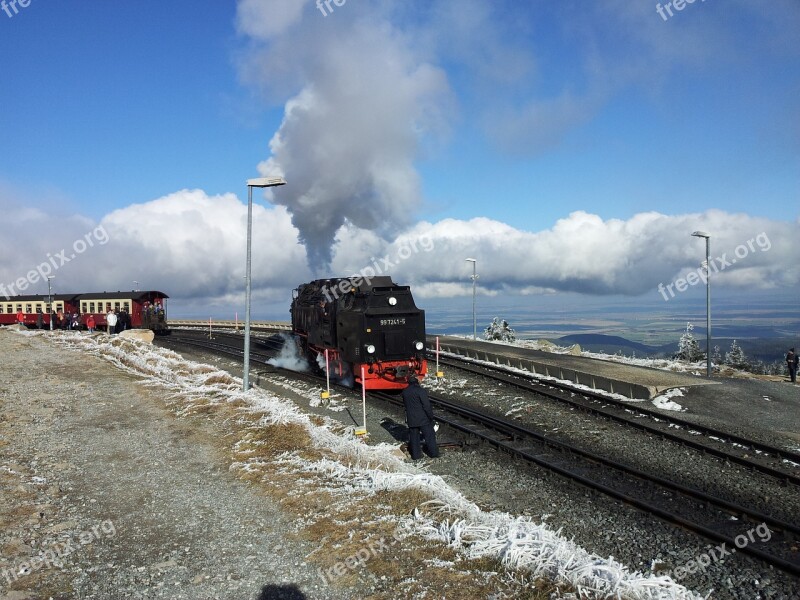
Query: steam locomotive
{"type": "Point", "coordinates": [361, 322]}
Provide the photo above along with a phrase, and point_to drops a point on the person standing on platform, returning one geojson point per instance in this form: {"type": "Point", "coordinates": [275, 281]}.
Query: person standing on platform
{"type": "Point", "coordinates": [91, 323]}
{"type": "Point", "coordinates": [419, 418]}
{"type": "Point", "coordinates": [111, 321]}
{"type": "Point", "coordinates": [792, 361]}
{"type": "Point", "coordinates": [20, 317]}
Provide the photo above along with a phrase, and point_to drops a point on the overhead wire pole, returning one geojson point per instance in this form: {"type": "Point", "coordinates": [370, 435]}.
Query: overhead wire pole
{"type": "Point", "coordinates": [259, 182]}
{"type": "Point", "coordinates": [707, 236]}
{"type": "Point", "coordinates": [474, 282]}
{"type": "Point", "coordinates": [50, 299]}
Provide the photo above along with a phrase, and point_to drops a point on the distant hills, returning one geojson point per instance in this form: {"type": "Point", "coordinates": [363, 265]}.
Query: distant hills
{"type": "Point", "coordinates": [611, 344]}
{"type": "Point", "coordinates": [767, 350]}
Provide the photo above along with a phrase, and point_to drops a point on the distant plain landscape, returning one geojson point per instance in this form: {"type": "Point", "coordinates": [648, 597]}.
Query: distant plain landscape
{"type": "Point", "coordinates": [765, 327]}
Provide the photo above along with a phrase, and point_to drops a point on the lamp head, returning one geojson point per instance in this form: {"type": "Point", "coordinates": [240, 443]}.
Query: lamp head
{"type": "Point", "coordinates": [263, 182]}
{"type": "Point", "coordinates": [701, 234]}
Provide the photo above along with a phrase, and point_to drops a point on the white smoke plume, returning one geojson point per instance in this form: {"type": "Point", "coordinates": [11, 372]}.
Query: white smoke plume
{"type": "Point", "coordinates": [363, 102]}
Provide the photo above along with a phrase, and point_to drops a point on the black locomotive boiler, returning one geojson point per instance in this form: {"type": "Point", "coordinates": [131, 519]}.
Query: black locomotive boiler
{"type": "Point", "coordinates": [361, 322]}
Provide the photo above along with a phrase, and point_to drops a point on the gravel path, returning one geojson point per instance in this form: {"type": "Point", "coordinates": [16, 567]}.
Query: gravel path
{"type": "Point", "coordinates": [89, 454]}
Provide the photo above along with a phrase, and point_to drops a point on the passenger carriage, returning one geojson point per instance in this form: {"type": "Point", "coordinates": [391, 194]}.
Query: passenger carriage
{"type": "Point", "coordinates": [147, 309]}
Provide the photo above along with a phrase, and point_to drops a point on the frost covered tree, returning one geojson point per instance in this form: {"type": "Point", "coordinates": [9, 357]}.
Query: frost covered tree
{"type": "Point", "coordinates": [688, 348]}
{"type": "Point", "coordinates": [498, 329]}
{"type": "Point", "coordinates": [716, 356]}
{"type": "Point", "coordinates": [735, 357]}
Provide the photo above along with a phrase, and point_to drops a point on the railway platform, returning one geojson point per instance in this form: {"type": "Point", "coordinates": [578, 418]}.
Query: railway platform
{"type": "Point", "coordinates": [628, 380]}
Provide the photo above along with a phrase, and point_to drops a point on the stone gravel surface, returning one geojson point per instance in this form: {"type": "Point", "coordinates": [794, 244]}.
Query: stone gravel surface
{"type": "Point", "coordinates": [187, 528]}
{"type": "Point", "coordinates": [597, 523]}
{"type": "Point", "coordinates": [89, 454]}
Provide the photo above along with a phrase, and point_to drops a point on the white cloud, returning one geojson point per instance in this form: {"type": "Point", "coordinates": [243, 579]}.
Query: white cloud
{"type": "Point", "coordinates": [192, 246]}
{"type": "Point", "coordinates": [263, 20]}
{"type": "Point", "coordinates": [187, 244]}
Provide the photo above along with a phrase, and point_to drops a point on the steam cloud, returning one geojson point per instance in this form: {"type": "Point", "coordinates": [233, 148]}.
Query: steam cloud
{"type": "Point", "coordinates": [350, 135]}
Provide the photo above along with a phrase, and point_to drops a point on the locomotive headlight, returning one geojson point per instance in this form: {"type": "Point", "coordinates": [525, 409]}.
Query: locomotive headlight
{"type": "Point", "coordinates": [419, 345]}
{"type": "Point", "coordinates": [370, 349]}
{"type": "Point", "coordinates": [392, 301]}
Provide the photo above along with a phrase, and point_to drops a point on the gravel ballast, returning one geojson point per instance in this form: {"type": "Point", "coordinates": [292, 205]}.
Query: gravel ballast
{"type": "Point", "coordinates": [92, 454]}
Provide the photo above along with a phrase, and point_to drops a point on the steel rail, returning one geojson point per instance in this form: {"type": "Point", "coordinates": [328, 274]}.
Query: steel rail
{"type": "Point", "coordinates": [515, 440]}
{"type": "Point", "coordinates": [531, 384]}
{"type": "Point", "coordinates": [516, 435]}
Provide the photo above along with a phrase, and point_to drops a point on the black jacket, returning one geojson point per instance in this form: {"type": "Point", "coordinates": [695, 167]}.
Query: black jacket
{"type": "Point", "coordinates": [418, 406]}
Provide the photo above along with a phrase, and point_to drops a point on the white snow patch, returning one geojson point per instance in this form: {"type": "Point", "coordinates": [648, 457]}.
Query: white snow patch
{"type": "Point", "coordinates": [664, 401]}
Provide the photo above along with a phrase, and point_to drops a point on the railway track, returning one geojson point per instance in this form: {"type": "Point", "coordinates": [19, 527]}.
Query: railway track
{"type": "Point", "coordinates": [697, 511]}
{"type": "Point", "coordinates": [708, 516]}
{"type": "Point", "coordinates": [770, 460]}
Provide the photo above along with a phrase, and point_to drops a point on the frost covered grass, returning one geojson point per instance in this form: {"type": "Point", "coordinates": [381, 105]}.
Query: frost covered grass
{"type": "Point", "coordinates": [665, 364]}
{"type": "Point", "coordinates": [346, 496]}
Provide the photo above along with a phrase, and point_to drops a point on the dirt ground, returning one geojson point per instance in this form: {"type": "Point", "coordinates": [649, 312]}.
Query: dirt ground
{"type": "Point", "coordinates": [107, 494]}
{"type": "Point", "coordinates": [116, 489]}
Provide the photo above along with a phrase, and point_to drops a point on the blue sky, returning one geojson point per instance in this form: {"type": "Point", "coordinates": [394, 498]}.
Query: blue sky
{"type": "Point", "coordinates": [410, 118]}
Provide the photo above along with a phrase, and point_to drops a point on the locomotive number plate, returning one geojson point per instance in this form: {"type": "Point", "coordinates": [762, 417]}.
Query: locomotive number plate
{"type": "Point", "coordinates": [393, 321]}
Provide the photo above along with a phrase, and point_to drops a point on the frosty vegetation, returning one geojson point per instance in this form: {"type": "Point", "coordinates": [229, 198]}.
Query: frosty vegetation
{"type": "Point", "coordinates": [499, 330]}
{"type": "Point", "coordinates": [689, 351]}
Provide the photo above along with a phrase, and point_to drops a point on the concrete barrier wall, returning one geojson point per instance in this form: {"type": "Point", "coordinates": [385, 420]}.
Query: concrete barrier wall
{"type": "Point", "coordinates": [624, 388]}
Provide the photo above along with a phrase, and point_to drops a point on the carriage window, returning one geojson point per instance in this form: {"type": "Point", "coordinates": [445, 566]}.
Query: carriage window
{"type": "Point", "coordinates": [19, 307]}
{"type": "Point", "coordinates": [126, 307]}
{"type": "Point", "coordinates": [9, 308]}
{"type": "Point", "coordinates": [84, 306]}
{"type": "Point", "coordinates": [28, 308]}
{"type": "Point", "coordinates": [116, 306]}
{"type": "Point", "coordinates": [1, 309]}
{"type": "Point", "coordinates": [91, 307]}
{"type": "Point", "coordinates": [108, 306]}
{"type": "Point", "coordinates": [48, 308]}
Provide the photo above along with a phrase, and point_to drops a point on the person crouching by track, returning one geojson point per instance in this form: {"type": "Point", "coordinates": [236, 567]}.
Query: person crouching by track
{"type": "Point", "coordinates": [419, 418]}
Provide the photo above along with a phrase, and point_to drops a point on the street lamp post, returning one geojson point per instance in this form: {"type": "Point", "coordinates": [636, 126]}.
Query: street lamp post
{"type": "Point", "coordinates": [474, 282]}
{"type": "Point", "coordinates": [50, 299]}
{"type": "Point", "coordinates": [707, 236]}
{"type": "Point", "coordinates": [259, 182]}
